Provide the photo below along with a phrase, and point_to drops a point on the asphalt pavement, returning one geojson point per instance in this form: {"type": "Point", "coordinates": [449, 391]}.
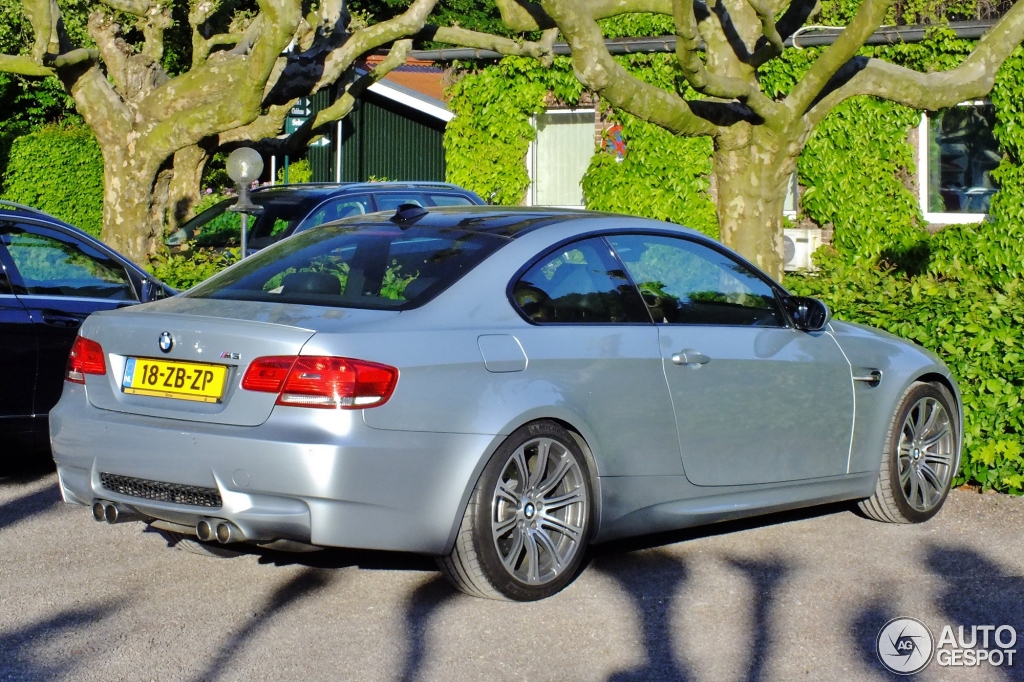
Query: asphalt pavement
{"type": "Point", "coordinates": [796, 596]}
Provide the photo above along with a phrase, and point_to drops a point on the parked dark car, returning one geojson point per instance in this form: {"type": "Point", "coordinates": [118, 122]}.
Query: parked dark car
{"type": "Point", "coordinates": [289, 209]}
{"type": "Point", "coordinates": [52, 276]}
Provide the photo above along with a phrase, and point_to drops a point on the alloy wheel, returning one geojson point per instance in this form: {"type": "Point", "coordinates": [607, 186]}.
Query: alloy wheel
{"type": "Point", "coordinates": [539, 510]}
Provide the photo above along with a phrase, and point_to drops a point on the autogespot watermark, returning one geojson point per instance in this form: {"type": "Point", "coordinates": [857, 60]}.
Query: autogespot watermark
{"type": "Point", "coordinates": [905, 646]}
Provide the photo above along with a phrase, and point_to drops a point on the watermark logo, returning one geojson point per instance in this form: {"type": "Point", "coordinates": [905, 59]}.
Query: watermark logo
{"type": "Point", "coordinates": [904, 646]}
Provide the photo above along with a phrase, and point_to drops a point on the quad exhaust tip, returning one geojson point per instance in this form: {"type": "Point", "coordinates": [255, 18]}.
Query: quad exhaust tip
{"type": "Point", "coordinates": [112, 513]}
{"type": "Point", "coordinates": [217, 530]}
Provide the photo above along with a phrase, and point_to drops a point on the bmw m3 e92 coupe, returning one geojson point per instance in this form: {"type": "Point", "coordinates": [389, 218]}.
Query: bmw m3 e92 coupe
{"type": "Point", "coordinates": [495, 387]}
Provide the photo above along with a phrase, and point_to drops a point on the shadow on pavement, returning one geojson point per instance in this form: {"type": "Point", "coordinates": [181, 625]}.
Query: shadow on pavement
{"type": "Point", "coordinates": [20, 508]}
{"type": "Point", "coordinates": [978, 592]}
{"type": "Point", "coordinates": [652, 580]}
{"type": "Point", "coordinates": [864, 632]}
{"type": "Point", "coordinates": [293, 591]}
{"type": "Point", "coordinates": [764, 578]}
{"type": "Point", "coordinates": [30, 653]}
{"type": "Point", "coordinates": [425, 601]}
{"type": "Point", "coordinates": [338, 557]}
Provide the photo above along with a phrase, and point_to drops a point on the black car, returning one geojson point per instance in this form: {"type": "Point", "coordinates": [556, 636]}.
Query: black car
{"type": "Point", "coordinates": [52, 276]}
{"type": "Point", "coordinates": [288, 209]}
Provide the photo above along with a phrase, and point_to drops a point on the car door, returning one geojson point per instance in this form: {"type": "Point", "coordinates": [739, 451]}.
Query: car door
{"type": "Point", "coordinates": [18, 352]}
{"type": "Point", "coordinates": [60, 280]}
{"type": "Point", "coordinates": [593, 348]}
{"type": "Point", "coordinates": [756, 401]}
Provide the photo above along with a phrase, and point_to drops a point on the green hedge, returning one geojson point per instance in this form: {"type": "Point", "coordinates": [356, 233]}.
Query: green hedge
{"type": "Point", "coordinates": [58, 169]}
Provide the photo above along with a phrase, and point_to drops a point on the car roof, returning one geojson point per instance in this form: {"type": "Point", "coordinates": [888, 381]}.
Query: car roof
{"type": "Point", "coordinates": [503, 221]}
{"type": "Point", "coordinates": [324, 189]}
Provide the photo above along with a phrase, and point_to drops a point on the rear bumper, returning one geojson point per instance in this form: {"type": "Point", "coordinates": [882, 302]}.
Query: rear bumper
{"type": "Point", "coordinates": [314, 476]}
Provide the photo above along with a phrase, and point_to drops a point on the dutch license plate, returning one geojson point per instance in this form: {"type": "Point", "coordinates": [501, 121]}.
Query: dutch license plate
{"type": "Point", "coordinates": [170, 379]}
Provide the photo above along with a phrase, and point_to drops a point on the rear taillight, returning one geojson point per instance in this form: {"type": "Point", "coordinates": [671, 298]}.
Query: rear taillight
{"type": "Point", "coordinates": [86, 358]}
{"type": "Point", "coordinates": [320, 381]}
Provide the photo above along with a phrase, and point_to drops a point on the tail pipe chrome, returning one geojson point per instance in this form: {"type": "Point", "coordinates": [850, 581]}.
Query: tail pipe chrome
{"type": "Point", "coordinates": [218, 530]}
{"type": "Point", "coordinates": [111, 512]}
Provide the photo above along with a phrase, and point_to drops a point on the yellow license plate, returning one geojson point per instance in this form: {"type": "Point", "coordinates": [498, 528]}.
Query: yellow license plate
{"type": "Point", "coordinates": [171, 379]}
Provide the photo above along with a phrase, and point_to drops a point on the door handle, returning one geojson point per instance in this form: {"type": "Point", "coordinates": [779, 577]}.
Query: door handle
{"type": "Point", "coordinates": [67, 321]}
{"type": "Point", "coordinates": [690, 357]}
{"type": "Point", "coordinates": [872, 377]}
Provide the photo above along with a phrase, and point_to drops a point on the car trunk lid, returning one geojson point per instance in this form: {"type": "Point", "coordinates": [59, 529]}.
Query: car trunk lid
{"type": "Point", "coordinates": [207, 342]}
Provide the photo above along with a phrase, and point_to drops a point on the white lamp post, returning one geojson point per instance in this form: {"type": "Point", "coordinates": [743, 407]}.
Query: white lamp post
{"type": "Point", "coordinates": [244, 166]}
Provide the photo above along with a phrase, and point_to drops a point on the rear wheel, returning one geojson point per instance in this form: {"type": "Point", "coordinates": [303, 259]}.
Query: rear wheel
{"type": "Point", "coordinates": [920, 459]}
{"type": "Point", "coordinates": [527, 523]}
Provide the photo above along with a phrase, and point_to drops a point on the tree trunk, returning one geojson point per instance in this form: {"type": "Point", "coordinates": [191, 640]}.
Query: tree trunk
{"type": "Point", "coordinates": [186, 184]}
{"type": "Point", "coordinates": [751, 183]}
{"type": "Point", "coordinates": [134, 202]}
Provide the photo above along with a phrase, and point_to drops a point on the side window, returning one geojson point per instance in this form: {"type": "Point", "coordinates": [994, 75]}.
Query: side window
{"type": "Point", "coordinates": [683, 282]}
{"type": "Point", "coordinates": [392, 200]}
{"type": "Point", "coordinates": [54, 264]}
{"type": "Point", "coordinates": [580, 283]}
{"type": "Point", "coordinates": [449, 200]}
{"type": "Point", "coordinates": [336, 209]}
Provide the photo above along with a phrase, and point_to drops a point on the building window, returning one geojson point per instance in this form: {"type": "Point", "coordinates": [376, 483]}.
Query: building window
{"type": "Point", "coordinates": [560, 156]}
{"type": "Point", "coordinates": [791, 203]}
{"type": "Point", "coordinates": [958, 153]}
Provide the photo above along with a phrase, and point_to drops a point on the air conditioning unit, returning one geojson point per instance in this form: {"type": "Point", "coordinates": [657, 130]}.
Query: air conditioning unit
{"type": "Point", "coordinates": [799, 245]}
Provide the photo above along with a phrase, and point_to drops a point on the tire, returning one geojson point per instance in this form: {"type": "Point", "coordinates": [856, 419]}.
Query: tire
{"type": "Point", "coordinates": [192, 545]}
{"type": "Point", "coordinates": [922, 454]}
{"type": "Point", "coordinates": [528, 520]}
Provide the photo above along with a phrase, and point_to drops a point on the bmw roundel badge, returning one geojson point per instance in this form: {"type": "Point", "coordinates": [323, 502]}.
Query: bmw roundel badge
{"type": "Point", "coordinates": [166, 342]}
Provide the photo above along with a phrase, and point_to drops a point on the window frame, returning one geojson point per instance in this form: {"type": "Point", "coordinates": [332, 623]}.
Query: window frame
{"type": "Point", "coordinates": [778, 290]}
{"type": "Point", "coordinates": [531, 153]}
{"type": "Point", "coordinates": [923, 135]}
{"type": "Point", "coordinates": [17, 281]}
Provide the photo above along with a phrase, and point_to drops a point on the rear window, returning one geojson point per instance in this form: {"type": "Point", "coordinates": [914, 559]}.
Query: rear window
{"type": "Point", "coordinates": [363, 266]}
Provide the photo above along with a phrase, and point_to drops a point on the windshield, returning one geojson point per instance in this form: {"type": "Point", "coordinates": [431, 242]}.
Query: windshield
{"type": "Point", "coordinates": [380, 267]}
{"type": "Point", "coordinates": [219, 228]}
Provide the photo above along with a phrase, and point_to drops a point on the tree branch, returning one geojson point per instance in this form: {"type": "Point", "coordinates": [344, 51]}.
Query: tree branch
{"type": "Point", "coordinates": [44, 15]}
{"type": "Point", "coordinates": [23, 65]}
{"type": "Point", "coordinates": [523, 15]}
{"type": "Point", "coordinates": [596, 69]}
{"type": "Point", "coordinates": [157, 20]}
{"type": "Point", "coordinates": [705, 82]}
{"type": "Point", "coordinates": [134, 7]}
{"type": "Point", "coordinates": [772, 46]}
{"type": "Point", "coordinates": [485, 41]}
{"type": "Point", "coordinates": [972, 79]}
{"type": "Point", "coordinates": [869, 17]}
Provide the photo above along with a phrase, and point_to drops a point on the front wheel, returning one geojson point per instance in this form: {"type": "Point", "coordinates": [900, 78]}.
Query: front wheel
{"type": "Point", "coordinates": [921, 457]}
{"type": "Point", "coordinates": [528, 520]}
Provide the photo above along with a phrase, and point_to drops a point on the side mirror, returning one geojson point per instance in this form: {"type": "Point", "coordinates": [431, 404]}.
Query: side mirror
{"type": "Point", "coordinates": [151, 291]}
{"type": "Point", "coordinates": [809, 314]}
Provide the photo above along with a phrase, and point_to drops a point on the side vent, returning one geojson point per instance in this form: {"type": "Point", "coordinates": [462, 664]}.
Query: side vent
{"type": "Point", "coordinates": [799, 244]}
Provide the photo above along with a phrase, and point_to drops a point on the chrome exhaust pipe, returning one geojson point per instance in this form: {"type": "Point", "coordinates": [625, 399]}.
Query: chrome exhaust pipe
{"type": "Point", "coordinates": [114, 513]}
{"type": "Point", "coordinates": [99, 511]}
{"type": "Point", "coordinates": [206, 531]}
{"type": "Point", "coordinates": [228, 532]}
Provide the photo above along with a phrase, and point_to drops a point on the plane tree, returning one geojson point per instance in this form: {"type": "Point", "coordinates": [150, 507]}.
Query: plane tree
{"type": "Point", "coordinates": [157, 131]}
{"type": "Point", "coordinates": [720, 45]}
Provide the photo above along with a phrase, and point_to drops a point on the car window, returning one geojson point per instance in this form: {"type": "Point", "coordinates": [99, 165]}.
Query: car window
{"type": "Point", "coordinates": [336, 209]}
{"type": "Point", "coordinates": [580, 283]}
{"type": "Point", "coordinates": [380, 267]}
{"type": "Point", "coordinates": [449, 200]}
{"type": "Point", "coordinates": [391, 200]}
{"type": "Point", "coordinates": [54, 264]}
{"type": "Point", "coordinates": [683, 282]}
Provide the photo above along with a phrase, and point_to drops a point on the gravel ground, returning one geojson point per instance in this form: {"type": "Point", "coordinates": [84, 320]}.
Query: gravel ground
{"type": "Point", "coordinates": [786, 597]}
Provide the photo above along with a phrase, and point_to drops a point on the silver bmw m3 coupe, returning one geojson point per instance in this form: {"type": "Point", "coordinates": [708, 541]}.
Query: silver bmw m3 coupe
{"type": "Point", "coordinates": [495, 387]}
